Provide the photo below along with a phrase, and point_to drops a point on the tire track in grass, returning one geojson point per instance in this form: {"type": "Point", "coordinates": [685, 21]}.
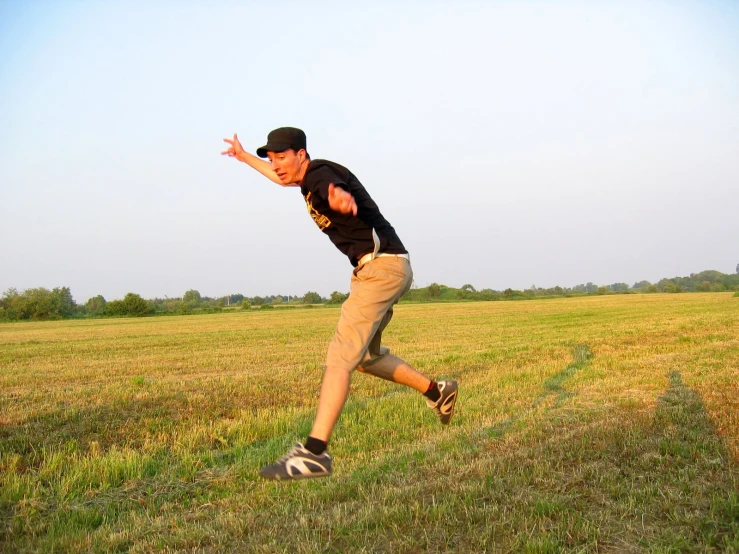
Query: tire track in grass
{"type": "Point", "coordinates": [554, 386]}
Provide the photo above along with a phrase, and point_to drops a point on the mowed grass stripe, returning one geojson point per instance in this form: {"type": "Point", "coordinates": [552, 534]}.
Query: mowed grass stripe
{"type": "Point", "coordinates": [584, 424]}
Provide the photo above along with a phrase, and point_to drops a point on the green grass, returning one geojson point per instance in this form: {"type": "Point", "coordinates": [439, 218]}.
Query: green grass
{"type": "Point", "coordinates": [599, 424]}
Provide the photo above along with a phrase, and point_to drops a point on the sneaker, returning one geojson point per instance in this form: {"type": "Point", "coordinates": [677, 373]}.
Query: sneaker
{"type": "Point", "coordinates": [299, 463]}
{"type": "Point", "coordinates": [444, 406]}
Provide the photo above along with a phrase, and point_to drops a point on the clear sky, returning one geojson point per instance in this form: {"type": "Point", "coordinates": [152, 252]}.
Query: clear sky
{"type": "Point", "coordinates": [510, 143]}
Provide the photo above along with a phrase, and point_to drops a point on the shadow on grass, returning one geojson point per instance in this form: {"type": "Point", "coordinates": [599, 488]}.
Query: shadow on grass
{"type": "Point", "coordinates": [621, 482]}
{"type": "Point", "coordinates": [137, 416]}
{"type": "Point", "coordinates": [122, 423]}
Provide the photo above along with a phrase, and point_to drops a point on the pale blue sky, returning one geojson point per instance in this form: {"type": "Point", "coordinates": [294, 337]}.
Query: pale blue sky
{"type": "Point", "coordinates": [509, 143]}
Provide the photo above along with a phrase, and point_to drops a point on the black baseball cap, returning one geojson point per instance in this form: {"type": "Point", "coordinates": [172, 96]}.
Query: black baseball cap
{"type": "Point", "coordinates": [283, 139]}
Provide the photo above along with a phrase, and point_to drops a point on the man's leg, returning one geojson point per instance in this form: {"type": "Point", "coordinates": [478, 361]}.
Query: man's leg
{"type": "Point", "coordinates": [334, 390]}
{"type": "Point", "coordinates": [361, 315]}
{"type": "Point", "coordinates": [312, 460]}
{"type": "Point", "coordinates": [440, 396]}
{"type": "Point", "coordinates": [392, 368]}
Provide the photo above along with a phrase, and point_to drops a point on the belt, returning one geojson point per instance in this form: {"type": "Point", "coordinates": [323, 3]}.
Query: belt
{"type": "Point", "coordinates": [369, 257]}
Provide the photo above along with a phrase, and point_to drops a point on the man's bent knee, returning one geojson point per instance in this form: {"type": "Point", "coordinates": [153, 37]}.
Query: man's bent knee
{"type": "Point", "coordinates": [371, 358]}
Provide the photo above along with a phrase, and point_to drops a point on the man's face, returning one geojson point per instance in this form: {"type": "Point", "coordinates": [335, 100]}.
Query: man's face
{"type": "Point", "coordinates": [287, 165]}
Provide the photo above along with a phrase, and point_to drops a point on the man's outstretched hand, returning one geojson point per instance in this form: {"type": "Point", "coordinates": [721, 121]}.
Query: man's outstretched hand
{"type": "Point", "coordinates": [235, 150]}
{"type": "Point", "coordinates": [340, 200]}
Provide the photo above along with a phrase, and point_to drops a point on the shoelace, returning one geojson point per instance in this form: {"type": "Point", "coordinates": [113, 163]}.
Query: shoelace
{"type": "Point", "coordinates": [295, 450]}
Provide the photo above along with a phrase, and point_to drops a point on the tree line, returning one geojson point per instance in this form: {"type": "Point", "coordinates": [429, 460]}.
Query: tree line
{"type": "Point", "coordinates": [706, 281]}
{"type": "Point", "coordinates": [43, 304]}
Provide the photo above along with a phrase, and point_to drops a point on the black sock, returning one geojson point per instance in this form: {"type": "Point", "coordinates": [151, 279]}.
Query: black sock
{"type": "Point", "coordinates": [315, 446]}
{"type": "Point", "coordinates": [432, 393]}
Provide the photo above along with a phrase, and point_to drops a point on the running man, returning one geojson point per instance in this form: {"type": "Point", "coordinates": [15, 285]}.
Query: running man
{"type": "Point", "coordinates": [343, 210]}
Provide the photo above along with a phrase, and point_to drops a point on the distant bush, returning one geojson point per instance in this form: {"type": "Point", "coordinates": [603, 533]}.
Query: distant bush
{"type": "Point", "coordinates": [337, 297]}
{"type": "Point", "coordinates": [37, 304]}
{"type": "Point", "coordinates": [266, 307]}
{"type": "Point", "coordinates": [311, 297]}
{"type": "Point", "coordinates": [510, 294]}
{"type": "Point", "coordinates": [192, 299]}
{"type": "Point", "coordinates": [95, 306]}
{"type": "Point", "coordinates": [132, 305]}
{"type": "Point", "coordinates": [704, 286]}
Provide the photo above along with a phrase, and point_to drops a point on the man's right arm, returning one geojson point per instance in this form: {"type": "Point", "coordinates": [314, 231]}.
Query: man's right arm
{"type": "Point", "coordinates": [235, 150]}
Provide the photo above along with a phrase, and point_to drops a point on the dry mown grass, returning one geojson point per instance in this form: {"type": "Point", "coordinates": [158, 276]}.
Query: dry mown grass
{"type": "Point", "coordinates": [584, 425]}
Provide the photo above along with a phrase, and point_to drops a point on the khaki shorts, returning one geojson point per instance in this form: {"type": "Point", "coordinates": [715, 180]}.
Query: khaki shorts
{"type": "Point", "coordinates": [375, 288]}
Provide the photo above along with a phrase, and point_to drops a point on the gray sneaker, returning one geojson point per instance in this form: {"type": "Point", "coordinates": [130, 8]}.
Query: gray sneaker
{"type": "Point", "coordinates": [299, 463]}
{"type": "Point", "coordinates": [444, 406]}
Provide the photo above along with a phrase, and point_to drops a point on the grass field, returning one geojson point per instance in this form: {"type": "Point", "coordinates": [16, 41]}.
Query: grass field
{"type": "Point", "coordinates": [597, 424]}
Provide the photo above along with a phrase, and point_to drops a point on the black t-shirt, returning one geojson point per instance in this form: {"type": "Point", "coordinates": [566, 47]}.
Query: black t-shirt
{"type": "Point", "coordinates": [351, 234]}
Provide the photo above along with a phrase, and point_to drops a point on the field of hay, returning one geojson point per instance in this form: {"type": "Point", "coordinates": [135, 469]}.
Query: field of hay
{"type": "Point", "coordinates": [591, 424]}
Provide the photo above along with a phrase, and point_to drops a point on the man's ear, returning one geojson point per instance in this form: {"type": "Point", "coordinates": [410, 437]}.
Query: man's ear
{"type": "Point", "coordinates": [302, 155]}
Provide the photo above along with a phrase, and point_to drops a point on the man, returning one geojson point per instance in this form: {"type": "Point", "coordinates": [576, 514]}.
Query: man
{"type": "Point", "coordinates": [343, 210]}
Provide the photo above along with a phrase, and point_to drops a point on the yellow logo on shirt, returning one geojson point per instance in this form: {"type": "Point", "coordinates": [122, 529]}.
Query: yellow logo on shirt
{"type": "Point", "coordinates": [321, 220]}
